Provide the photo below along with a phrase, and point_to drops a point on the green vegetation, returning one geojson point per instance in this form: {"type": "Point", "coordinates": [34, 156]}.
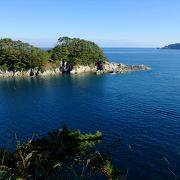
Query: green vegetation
{"type": "Point", "coordinates": [18, 56]}
{"type": "Point", "coordinates": [77, 51]}
{"type": "Point", "coordinates": [63, 154]}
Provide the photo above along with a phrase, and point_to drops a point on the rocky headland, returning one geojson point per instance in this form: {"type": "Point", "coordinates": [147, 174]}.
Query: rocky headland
{"type": "Point", "coordinates": [78, 69]}
{"type": "Point", "coordinates": [69, 56]}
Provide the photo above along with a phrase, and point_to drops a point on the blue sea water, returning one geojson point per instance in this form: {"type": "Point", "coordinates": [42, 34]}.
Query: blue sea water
{"type": "Point", "coordinates": [142, 109]}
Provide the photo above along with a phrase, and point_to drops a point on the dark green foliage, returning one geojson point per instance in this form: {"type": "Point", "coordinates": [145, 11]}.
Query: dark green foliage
{"type": "Point", "coordinates": [60, 155]}
{"type": "Point", "coordinates": [17, 56]}
{"type": "Point", "coordinates": [77, 51]}
{"type": "Point", "coordinates": [172, 46]}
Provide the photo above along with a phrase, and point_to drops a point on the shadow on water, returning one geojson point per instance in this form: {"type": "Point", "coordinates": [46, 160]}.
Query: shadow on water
{"type": "Point", "coordinates": [41, 104]}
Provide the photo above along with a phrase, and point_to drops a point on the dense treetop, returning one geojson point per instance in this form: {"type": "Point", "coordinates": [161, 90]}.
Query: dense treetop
{"type": "Point", "coordinates": [18, 56]}
{"type": "Point", "coordinates": [77, 51]}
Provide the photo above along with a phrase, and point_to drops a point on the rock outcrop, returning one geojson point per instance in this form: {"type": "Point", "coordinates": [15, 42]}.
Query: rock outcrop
{"type": "Point", "coordinates": [83, 69]}
{"type": "Point", "coordinates": [78, 69]}
{"type": "Point", "coordinates": [32, 73]}
{"type": "Point", "coordinates": [121, 68]}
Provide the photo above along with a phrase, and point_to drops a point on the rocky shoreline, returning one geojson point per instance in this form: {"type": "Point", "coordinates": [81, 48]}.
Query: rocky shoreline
{"type": "Point", "coordinates": [78, 69]}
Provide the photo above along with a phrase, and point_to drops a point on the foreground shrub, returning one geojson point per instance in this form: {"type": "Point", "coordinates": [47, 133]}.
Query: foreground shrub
{"type": "Point", "coordinates": [63, 154]}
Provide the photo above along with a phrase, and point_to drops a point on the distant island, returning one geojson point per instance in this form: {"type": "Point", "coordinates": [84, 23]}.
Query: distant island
{"type": "Point", "coordinates": [172, 46]}
{"type": "Point", "coordinates": [70, 56]}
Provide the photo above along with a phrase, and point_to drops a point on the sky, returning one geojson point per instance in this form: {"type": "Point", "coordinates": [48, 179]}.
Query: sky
{"type": "Point", "coordinates": [109, 23]}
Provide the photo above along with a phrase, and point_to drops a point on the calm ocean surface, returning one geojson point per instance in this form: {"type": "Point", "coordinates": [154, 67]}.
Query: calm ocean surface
{"type": "Point", "coordinates": [142, 109]}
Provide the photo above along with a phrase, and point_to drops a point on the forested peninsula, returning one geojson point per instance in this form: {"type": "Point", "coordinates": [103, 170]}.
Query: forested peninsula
{"type": "Point", "coordinates": [172, 46]}
{"type": "Point", "coordinates": [70, 56]}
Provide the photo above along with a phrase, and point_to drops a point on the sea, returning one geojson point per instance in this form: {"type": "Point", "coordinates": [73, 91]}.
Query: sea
{"type": "Point", "coordinates": [138, 112]}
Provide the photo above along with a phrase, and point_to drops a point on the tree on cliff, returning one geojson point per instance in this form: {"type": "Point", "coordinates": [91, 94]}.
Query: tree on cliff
{"type": "Point", "coordinates": [16, 55]}
{"type": "Point", "coordinates": [77, 51]}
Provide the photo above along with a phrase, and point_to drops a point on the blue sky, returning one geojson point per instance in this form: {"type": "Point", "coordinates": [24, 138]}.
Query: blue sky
{"type": "Point", "coordinates": [110, 23]}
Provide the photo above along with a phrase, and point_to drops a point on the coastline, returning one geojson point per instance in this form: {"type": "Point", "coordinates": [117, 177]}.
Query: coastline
{"type": "Point", "coordinates": [106, 68]}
